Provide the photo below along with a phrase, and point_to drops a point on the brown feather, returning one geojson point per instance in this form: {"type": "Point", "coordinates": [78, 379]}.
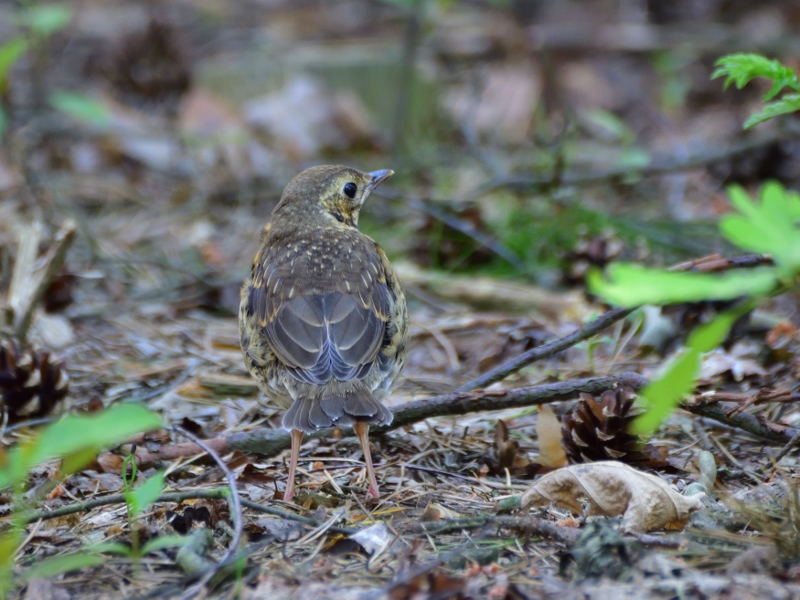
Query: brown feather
{"type": "Point", "coordinates": [323, 320]}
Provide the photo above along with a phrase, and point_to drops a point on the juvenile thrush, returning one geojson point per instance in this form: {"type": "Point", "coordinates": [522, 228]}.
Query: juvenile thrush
{"type": "Point", "coordinates": [322, 319]}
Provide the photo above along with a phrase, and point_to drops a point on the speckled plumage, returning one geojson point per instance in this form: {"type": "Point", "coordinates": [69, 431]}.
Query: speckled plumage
{"type": "Point", "coordinates": [322, 320]}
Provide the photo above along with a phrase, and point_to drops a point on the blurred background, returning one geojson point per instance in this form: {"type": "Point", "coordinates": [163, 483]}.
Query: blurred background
{"type": "Point", "coordinates": [521, 131]}
{"type": "Point", "coordinates": [530, 139]}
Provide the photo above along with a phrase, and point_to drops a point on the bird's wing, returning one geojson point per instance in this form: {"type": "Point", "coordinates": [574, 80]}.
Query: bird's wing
{"type": "Point", "coordinates": [321, 336]}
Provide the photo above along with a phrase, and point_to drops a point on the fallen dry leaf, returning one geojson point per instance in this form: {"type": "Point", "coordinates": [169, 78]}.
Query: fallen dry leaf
{"type": "Point", "coordinates": [611, 488]}
{"type": "Point", "coordinates": [740, 362]}
{"type": "Point", "coordinates": [548, 430]}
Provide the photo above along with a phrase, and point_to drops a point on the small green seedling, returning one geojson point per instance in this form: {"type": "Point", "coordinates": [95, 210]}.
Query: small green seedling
{"type": "Point", "coordinates": [74, 440]}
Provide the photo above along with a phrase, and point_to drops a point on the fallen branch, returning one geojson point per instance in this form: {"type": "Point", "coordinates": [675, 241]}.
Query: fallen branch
{"type": "Point", "coordinates": [269, 442]}
{"type": "Point", "coordinates": [744, 421]}
{"type": "Point", "coordinates": [527, 525]}
{"type": "Point", "coordinates": [177, 498]}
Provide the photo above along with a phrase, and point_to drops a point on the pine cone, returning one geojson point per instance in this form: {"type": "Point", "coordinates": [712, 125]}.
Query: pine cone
{"type": "Point", "coordinates": [30, 383]}
{"type": "Point", "coordinates": [151, 69]}
{"type": "Point", "coordinates": [598, 429]}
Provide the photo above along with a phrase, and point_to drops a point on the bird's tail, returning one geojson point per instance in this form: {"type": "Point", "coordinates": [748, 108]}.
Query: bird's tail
{"type": "Point", "coordinates": [311, 414]}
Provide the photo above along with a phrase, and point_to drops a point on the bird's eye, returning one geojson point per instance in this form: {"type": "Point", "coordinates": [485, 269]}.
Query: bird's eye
{"type": "Point", "coordinates": [350, 189]}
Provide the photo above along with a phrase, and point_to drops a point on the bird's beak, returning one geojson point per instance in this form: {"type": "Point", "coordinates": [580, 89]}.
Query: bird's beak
{"type": "Point", "coordinates": [377, 177]}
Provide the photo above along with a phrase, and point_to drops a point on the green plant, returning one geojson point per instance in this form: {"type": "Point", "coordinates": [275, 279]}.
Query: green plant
{"type": "Point", "coordinates": [75, 441]}
{"type": "Point", "coordinates": [769, 227]}
{"type": "Point", "coordinates": [137, 500]}
{"type": "Point", "coordinates": [743, 68]}
{"type": "Point", "coordinates": [37, 23]}
{"type": "Point", "coordinates": [81, 107]}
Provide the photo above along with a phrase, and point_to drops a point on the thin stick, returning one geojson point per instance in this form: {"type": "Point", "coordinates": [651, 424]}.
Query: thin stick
{"type": "Point", "coordinates": [236, 514]}
{"type": "Point", "coordinates": [788, 447]}
{"type": "Point", "coordinates": [604, 321]}
{"type": "Point", "coordinates": [658, 166]}
{"type": "Point", "coordinates": [176, 497]}
{"type": "Point", "coordinates": [744, 421]}
{"type": "Point", "coordinates": [547, 350]}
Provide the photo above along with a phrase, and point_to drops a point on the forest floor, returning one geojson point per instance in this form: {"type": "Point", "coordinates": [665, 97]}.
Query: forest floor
{"type": "Point", "coordinates": [529, 141]}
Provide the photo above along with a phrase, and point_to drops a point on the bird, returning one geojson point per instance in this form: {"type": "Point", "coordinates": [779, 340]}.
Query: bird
{"type": "Point", "coordinates": [323, 322]}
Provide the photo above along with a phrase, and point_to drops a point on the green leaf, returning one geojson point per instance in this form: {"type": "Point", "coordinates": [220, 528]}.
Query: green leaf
{"type": "Point", "coordinates": [708, 336]}
{"type": "Point", "coordinates": [110, 548]}
{"type": "Point", "coordinates": [63, 564]}
{"type": "Point", "coordinates": [665, 393]}
{"type": "Point", "coordinates": [787, 104]}
{"type": "Point", "coordinates": [106, 429]}
{"type": "Point", "coordinates": [46, 19]}
{"type": "Point", "coordinates": [75, 434]}
{"type": "Point", "coordinates": [662, 396]}
{"type": "Point", "coordinates": [72, 463]}
{"type": "Point", "coordinates": [742, 68]}
{"type": "Point", "coordinates": [10, 53]}
{"type": "Point", "coordinates": [164, 541]}
{"type": "Point", "coordinates": [144, 495]}
{"type": "Point", "coordinates": [769, 227]}
{"type": "Point", "coordinates": [632, 285]}
{"type": "Point", "coordinates": [83, 108]}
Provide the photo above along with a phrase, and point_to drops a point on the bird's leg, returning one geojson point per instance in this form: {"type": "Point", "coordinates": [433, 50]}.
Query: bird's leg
{"type": "Point", "coordinates": [362, 431]}
{"type": "Point", "coordinates": [297, 439]}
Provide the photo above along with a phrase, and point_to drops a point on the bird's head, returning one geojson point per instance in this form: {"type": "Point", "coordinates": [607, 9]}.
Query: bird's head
{"type": "Point", "coordinates": [329, 195]}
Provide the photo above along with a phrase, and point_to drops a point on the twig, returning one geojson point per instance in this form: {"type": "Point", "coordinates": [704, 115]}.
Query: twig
{"type": "Point", "coordinates": [547, 350]}
{"type": "Point", "coordinates": [236, 513]}
{"type": "Point", "coordinates": [657, 540]}
{"type": "Point", "coordinates": [707, 264]}
{"type": "Point", "coordinates": [468, 229]}
{"type": "Point", "coordinates": [714, 263]}
{"type": "Point", "coordinates": [744, 421]}
{"type": "Point", "coordinates": [269, 442]}
{"type": "Point", "coordinates": [788, 447]}
{"type": "Point", "coordinates": [176, 497]}
{"type": "Point", "coordinates": [526, 183]}
{"type": "Point", "coordinates": [526, 525]}
{"type": "Point", "coordinates": [539, 527]}
{"type": "Point", "coordinates": [266, 441]}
